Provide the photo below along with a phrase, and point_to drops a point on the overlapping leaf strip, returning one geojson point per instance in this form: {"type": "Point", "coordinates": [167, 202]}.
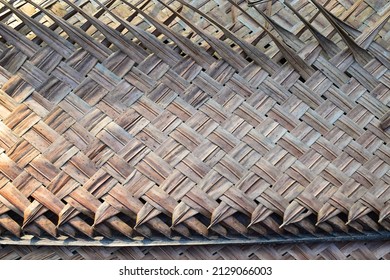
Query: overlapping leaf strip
{"type": "Point", "coordinates": [168, 119]}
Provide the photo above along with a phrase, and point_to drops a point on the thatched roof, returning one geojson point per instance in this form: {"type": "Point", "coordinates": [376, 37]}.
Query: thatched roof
{"type": "Point", "coordinates": [214, 120]}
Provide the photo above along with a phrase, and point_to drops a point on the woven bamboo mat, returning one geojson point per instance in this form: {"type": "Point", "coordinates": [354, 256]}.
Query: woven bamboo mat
{"type": "Point", "coordinates": [177, 119]}
{"type": "Point", "coordinates": [321, 251]}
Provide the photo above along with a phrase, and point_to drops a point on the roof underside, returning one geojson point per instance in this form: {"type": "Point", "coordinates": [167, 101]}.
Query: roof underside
{"type": "Point", "coordinates": [178, 120]}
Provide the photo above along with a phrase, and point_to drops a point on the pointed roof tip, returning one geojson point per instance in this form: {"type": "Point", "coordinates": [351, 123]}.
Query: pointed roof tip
{"type": "Point", "coordinates": [176, 221]}
{"type": "Point", "coordinates": [382, 217]}
{"type": "Point", "coordinates": [283, 224]}
{"type": "Point", "coordinates": [58, 224]}
{"type": "Point", "coordinates": [212, 223]}
{"type": "Point", "coordinates": [97, 222]}
{"type": "Point", "coordinates": [60, 221]}
{"type": "Point", "coordinates": [137, 223]}
{"type": "Point", "coordinates": [174, 224]}
{"type": "Point", "coordinates": [250, 224]}
{"type": "Point", "coordinates": [321, 219]}
{"type": "Point", "coordinates": [348, 222]}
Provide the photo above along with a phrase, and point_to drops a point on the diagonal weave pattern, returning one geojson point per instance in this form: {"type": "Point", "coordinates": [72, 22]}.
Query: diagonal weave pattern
{"type": "Point", "coordinates": [324, 251]}
{"type": "Point", "coordinates": [144, 120]}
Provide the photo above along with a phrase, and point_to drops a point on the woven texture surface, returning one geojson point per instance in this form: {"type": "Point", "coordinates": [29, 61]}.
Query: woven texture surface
{"type": "Point", "coordinates": [323, 251]}
{"type": "Point", "coordinates": [160, 122]}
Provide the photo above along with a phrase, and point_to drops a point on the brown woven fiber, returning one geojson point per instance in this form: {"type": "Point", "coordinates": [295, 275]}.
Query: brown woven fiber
{"type": "Point", "coordinates": [321, 251]}
{"type": "Point", "coordinates": [184, 120]}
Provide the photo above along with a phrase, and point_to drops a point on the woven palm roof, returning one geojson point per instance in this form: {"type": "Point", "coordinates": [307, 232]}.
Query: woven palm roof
{"type": "Point", "coordinates": [178, 120]}
{"type": "Point", "coordinates": [318, 251]}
